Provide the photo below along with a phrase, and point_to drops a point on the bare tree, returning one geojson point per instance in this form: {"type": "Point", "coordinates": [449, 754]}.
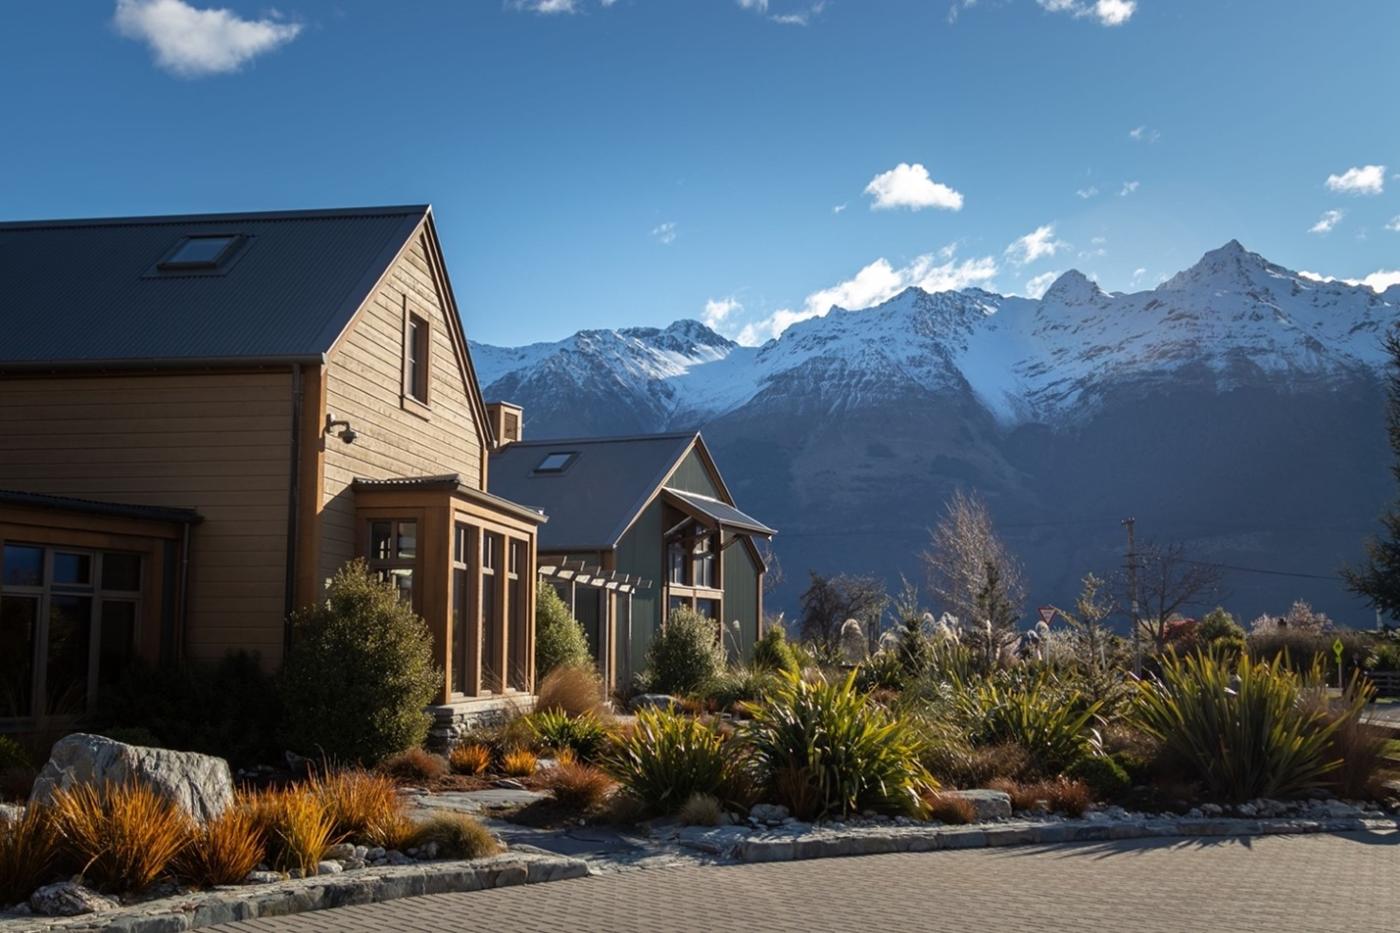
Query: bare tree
{"type": "Point", "coordinates": [1169, 584]}
{"type": "Point", "coordinates": [962, 548]}
{"type": "Point", "coordinates": [829, 601]}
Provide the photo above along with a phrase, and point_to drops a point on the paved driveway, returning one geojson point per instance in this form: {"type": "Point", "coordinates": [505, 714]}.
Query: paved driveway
{"type": "Point", "coordinates": [1346, 883]}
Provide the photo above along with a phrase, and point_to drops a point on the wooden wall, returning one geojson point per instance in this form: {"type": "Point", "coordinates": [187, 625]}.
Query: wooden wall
{"type": "Point", "coordinates": [215, 442]}
{"type": "Point", "coordinates": [364, 380]}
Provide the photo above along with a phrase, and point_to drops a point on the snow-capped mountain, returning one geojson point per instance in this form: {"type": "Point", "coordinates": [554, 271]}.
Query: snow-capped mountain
{"type": "Point", "coordinates": [1237, 406]}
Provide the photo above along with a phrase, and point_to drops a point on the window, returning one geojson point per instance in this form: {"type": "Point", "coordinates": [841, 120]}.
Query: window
{"type": "Point", "coordinates": [69, 621]}
{"type": "Point", "coordinates": [705, 561]}
{"type": "Point", "coordinates": [393, 552]}
{"type": "Point", "coordinates": [491, 675]}
{"type": "Point", "coordinates": [677, 563]}
{"type": "Point", "coordinates": [463, 625]}
{"type": "Point", "coordinates": [200, 252]}
{"type": "Point", "coordinates": [515, 626]}
{"type": "Point", "coordinates": [512, 426]}
{"type": "Point", "coordinates": [416, 350]}
{"type": "Point", "coordinates": [556, 462]}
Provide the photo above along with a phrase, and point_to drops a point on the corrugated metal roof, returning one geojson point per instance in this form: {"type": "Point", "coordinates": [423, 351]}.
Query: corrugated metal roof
{"type": "Point", "coordinates": [591, 503]}
{"type": "Point", "coordinates": [722, 512]}
{"type": "Point", "coordinates": [454, 483]}
{"type": "Point", "coordinates": [86, 292]}
{"type": "Point", "coordinates": [94, 507]}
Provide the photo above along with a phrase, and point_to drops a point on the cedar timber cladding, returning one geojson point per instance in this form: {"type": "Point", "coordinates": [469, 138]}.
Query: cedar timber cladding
{"type": "Point", "coordinates": [217, 439]}
{"type": "Point", "coordinates": [364, 384]}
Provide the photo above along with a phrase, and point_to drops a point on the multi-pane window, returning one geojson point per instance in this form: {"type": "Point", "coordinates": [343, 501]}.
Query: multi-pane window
{"type": "Point", "coordinates": [68, 626]}
{"type": "Point", "coordinates": [678, 563]}
{"type": "Point", "coordinates": [462, 627]}
{"type": "Point", "coordinates": [393, 551]}
{"type": "Point", "coordinates": [705, 561]}
{"type": "Point", "coordinates": [491, 674]}
{"type": "Point", "coordinates": [515, 624]}
{"type": "Point", "coordinates": [416, 358]}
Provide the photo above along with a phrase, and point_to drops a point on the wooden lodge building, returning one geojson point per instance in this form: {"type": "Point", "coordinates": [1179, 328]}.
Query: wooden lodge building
{"type": "Point", "coordinates": [203, 417]}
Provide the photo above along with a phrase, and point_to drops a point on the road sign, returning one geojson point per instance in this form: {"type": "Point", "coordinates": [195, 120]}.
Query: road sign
{"type": "Point", "coordinates": [1337, 648]}
{"type": "Point", "coordinates": [1047, 614]}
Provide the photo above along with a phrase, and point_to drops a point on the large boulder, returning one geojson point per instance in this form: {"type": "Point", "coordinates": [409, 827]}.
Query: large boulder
{"type": "Point", "coordinates": [989, 804]}
{"type": "Point", "coordinates": [68, 899]}
{"type": "Point", "coordinates": [201, 785]}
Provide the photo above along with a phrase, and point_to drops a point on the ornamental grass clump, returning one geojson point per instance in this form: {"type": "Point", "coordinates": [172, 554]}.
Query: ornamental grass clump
{"type": "Point", "coordinates": [415, 764]}
{"type": "Point", "coordinates": [574, 689]}
{"type": "Point", "coordinates": [470, 759]}
{"type": "Point", "coordinates": [121, 836]}
{"type": "Point", "coordinates": [223, 850]}
{"type": "Point", "coordinates": [1053, 722]}
{"type": "Point", "coordinates": [579, 786]}
{"type": "Point", "coordinates": [454, 835]}
{"type": "Point", "coordinates": [363, 807]}
{"type": "Point", "coordinates": [950, 809]}
{"type": "Point", "coordinates": [584, 736]}
{"type": "Point", "coordinates": [28, 853]}
{"type": "Point", "coordinates": [519, 762]}
{"type": "Point", "coordinates": [668, 757]}
{"type": "Point", "coordinates": [1242, 734]}
{"type": "Point", "coordinates": [295, 825]}
{"type": "Point", "coordinates": [851, 753]}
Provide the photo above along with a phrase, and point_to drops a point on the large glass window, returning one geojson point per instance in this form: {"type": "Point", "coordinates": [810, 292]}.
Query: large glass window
{"type": "Point", "coordinates": [463, 625]}
{"type": "Point", "coordinates": [516, 635]}
{"type": "Point", "coordinates": [393, 552]}
{"type": "Point", "coordinates": [69, 621]}
{"type": "Point", "coordinates": [491, 674]}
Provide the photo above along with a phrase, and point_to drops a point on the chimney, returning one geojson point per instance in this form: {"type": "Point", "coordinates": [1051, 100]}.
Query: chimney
{"type": "Point", "coordinates": [505, 421]}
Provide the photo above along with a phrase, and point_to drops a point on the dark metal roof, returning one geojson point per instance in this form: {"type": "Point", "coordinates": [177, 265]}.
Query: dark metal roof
{"type": "Point", "coordinates": [93, 507]}
{"type": "Point", "coordinates": [721, 512]}
{"type": "Point", "coordinates": [88, 293]}
{"type": "Point", "coordinates": [453, 482]}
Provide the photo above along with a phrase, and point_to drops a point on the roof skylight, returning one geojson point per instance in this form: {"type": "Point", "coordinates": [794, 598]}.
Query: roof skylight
{"type": "Point", "coordinates": [200, 252]}
{"type": "Point", "coordinates": [556, 461]}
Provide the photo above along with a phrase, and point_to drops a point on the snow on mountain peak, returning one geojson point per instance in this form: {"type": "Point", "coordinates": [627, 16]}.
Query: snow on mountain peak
{"type": "Point", "coordinates": [1073, 288]}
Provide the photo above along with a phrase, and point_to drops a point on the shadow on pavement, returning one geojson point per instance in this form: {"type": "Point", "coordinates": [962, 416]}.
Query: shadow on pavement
{"type": "Point", "coordinates": [1104, 850]}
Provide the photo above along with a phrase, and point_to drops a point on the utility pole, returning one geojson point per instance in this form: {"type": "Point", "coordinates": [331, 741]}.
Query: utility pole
{"type": "Point", "coordinates": [1133, 597]}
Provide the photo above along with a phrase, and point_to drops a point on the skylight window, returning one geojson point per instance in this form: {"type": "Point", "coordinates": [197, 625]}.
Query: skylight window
{"type": "Point", "coordinates": [556, 462]}
{"type": "Point", "coordinates": [200, 252]}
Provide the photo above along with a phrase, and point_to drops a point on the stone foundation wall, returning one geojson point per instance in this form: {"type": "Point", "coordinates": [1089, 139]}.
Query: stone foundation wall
{"type": "Point", "coordinates": [453, 721]}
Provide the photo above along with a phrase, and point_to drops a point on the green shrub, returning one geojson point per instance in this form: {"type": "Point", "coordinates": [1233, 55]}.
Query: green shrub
{"type": "Point", "coordinates": [1242, 734]}
{"type": "Point", "coordinates": [12, 754]}
{"type": "Point", "coordinates": [684, 654]}
{"type": "Point", "coordinates": [736, 686]}
{"type": "Point", "coordinates": [456, 835]}
{"type": "Point", "coordinates": [668, 757]}
{"type": "Point", "coordinates": [1104, 776]}
{"type": "Point", "coordinates": [851, 753]}
{"type": "Point", "coordinates": [585, 736]}
{"type": "Point", "coordinates": [1385, 655]}
{"type": "Point", "coordinates": [559, 638]}
{"type": "Point", "coordinates": [359, 673]}
{"type": "Point", "coordinates": [238, 709]}
{"type": "Point", "coordinates": [773, 653]}
{"type": "Point", "coordinates": [883, 670]}
{"type": "Point", "coordinates": [1052, 721]}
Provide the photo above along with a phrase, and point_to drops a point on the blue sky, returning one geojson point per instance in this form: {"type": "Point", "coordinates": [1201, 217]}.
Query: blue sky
{"type": "Point", "coordinates": [601, 164]}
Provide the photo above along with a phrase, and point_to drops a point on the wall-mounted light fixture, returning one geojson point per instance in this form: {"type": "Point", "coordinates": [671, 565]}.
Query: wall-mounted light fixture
{"type": "Point", "coordinates": [346, 433]}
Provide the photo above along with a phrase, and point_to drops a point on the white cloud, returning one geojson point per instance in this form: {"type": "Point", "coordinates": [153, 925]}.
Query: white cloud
{"type": "Point", "coordinates": [191, 42]}
{"type": "Point", "coordinates": [1377, 281]}
{"type": "Point", "coordinates": [1138, 274]}
{"type": "Point", "coordinates": [1144, 134]}
{"type": "Point", "coordinates": [1037, 244]}
{"type": "Point", "coordinates": [1087, 193]}
{"type": "Point", "coordinates": [718, 310]}
{"type": "Point", "coordinates": [910, 186]}
{"type": "Point", "coordinates": [839, 208]}
{"type": "Point", "coordinates": [799, 15]}
{"type": "Point", "coordinates": [1327, 222]}
{"type": "Point", "coordinates": [1363, 179]}
{"type": "Point", "coordinates": [879, 281]}
{"type": "Point", "coordinates": [1107, 12]}
{"type": "Point", "coordinates": [665, 233]}
{"type": "Point", "coordinates": [1037, 286]}
{"type": "Point", "coordinates": [1129, 187]}
{"type": "Point", "coordinates": [1394, 225]}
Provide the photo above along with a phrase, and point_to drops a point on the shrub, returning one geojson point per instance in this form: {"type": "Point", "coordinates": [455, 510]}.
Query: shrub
{"type": "Point", "coordinates": [28, 853]}
{"type": "Point", "coordinates": [773, 653]}
{"type": "Point", "coordinates": [13, 755]}
{"type": "Point", "coordinates": [1104, 776]}
{"type": "Point", "coordinates": [736, 686]}
{"type": "Point", "coordinates": [472, 758]}
{"type": "Point", "coordinates": [415, 764]}
{"type": "Point", "coordinates": [1059, 795]}
{"type": "Point", "coordinates": [1243, 735]}
{"type": "Point", "coordinates": [1052, 722]}
{"type": "Point", "coordinates": [584, 735]}
{"type": "Point", "coordinates": [363, 808]}
{"type": "Point", "coordinates": [702, 810]}
{"type": "Point", "coordinates": [519, 762]}
{"type": "Point", "coordinates": [1358, 747]}
{"type": "Point", "coordinates": [882, 670]}
{"type": "Point", "coordinates": [855, 754]}
{"type": "Point", "coordinates": [456, 835]}
{"type": "Point", "coordinates": [223, 850]}
{"type": "Point", "coordinates": [684, 654]}
{"type": "Point", "coordinates": [359, 672]}
{"type": "Point", "coordinates": [1385, 655]}
{"type": "Point", "coordinates": [559, 638]}
{"type": "Point", "coordinates": [295, 826]}
{"type": "Point", "coordinates": [578, 786]}
{"type": "Point", "coordinates": [123, 835]}
{"type": "Point", "coordinates": [667, 757]}
{"type": "Point", "coordinates": [949, 808]}
{"type": "Point", "coordinates": [572, 689]}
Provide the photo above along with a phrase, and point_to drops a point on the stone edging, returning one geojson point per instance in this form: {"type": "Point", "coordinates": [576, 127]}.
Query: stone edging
{"type": "Point", "coordinates": [366, 886]}
{"type": "Point", "coordinates": [816, 843]}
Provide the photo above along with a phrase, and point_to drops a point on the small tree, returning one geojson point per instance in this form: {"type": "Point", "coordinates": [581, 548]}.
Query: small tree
{"type": "Point", "coordinates": [559, 638]}
{"type": "Point", "coordinates": [1377, 578]}
{"type": "Point", "coordinates": [830, 601]}
{"type": "Point", "coordinates": [1092, 638]}
{"type": "Point", "coordinates": [961, 549]}
{"type": "Point", "coordinates": [1170, 583]}
{"type": "Point", "coordinates": [995, 616]}
{"type": "Point", "coordinates": [359, 673]}
{"type": "Point", "coordinates": [684, 654]}
{"type": "Point", "coordinates": [914, 647]}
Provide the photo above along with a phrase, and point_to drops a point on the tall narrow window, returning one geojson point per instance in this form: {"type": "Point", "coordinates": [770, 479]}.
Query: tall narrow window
{"type": "Point", "coordinates": [705, 561]}
{"type": "Point", "coordinates": [519, 673]}
{"type": "Point", "coordinates": [463, 625]}
{"type": "Point", "coordinates": [393, 552]}
{"type": "Point", "coordinates": [491, 674]}
{"type": "Point", "coordinates": [416, 348]}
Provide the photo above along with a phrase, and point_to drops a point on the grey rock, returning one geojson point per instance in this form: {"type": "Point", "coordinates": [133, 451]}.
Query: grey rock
{"type": "Point", "coordinates": [374, 853]}
{"type": "Point", "coordinates": [653, 701]}
{"type": "Point", "coordinates": [768, 812]}
{"type": "Point", "coordinates": [329, 867]}
{"type": "Point", "coordinates": [10, 811]}
{"type": "Point", "coordinates": [989, 804]}
{"type": "Point", "coordinates": [508, 784]}
{"type": "Point", "coordinates": [1212, 810]}
{"type": "Point", "coordinates": [201, 785]}
{"type": "Point", "coordinates": [341, 851]}
{"type": "Point", "coordinates": [395, 857]}
{"type": "Point", "coordinates": [1247, 810]}
{"type": "Point", "coordinates": [68, 899]}
{"type": "Point", "coordinates": [263, 877]}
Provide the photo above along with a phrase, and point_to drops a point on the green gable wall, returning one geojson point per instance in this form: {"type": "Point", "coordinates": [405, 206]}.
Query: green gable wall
{"type": "Point", "coordinates": [639, 554]}
{"type": "Point", "coordinates": [691, 476]}
{"type": "Point", "coordinates": [741, 583]}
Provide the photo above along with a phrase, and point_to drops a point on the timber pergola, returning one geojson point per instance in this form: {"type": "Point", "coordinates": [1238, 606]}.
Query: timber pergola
{"type": "Point", "coordinates": [573, 574]}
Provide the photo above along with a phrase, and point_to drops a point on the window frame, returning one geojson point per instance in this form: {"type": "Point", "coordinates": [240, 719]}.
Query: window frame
{"type": "Point", "coordinates": [691, 592]}
{"type": "Point", "coordinates": [384, 567]}
{"type": "Point", "coordinates": [415, 392]}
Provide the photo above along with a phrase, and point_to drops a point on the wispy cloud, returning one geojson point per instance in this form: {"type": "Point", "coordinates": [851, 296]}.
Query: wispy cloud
{"type": "Point", "coordinates": [192, 42]}
{"type": "Point", "coordinates": [1394, 225]}
{"type": "Point", "coordinates": [1377, 281]}
{"type": "Point", "coordinates": [719, 310]}
{"type": "Point", "coordinates": [1129, 187]}
{"type": "Point", "coordinates": [1036, 286]}
{"type": "Point", "coordinates": [665, 234]}
{"type": "Point", "coordinates": [910, 186]}
{"type": "Point", "coordinates": [1359, 179]}
{"type": "Point", "coordinates": [1327, 222]}
{"type": "Point", "coordinates": [1107, 12]}
{"type": "Point", "coordinates": [1087, 193]}
{"type": "Point", "coordinates": [1144, 134]}
{"type": "Point", "coordinates": [839, 207]}
{"type": "Point", "coordinates": [1035, 245]}
{"type": "Point", "coordinates": [793, 14]}
{"type": "Point", "coordinates": [879, 281]}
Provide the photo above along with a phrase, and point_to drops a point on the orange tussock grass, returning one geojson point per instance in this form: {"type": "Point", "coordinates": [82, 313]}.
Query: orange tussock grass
{"type": "Point", "coordinates": [223, 850]}
{"type": "Point", "coordinates": [415, 764]}
{"type": "Point", "coordinates": [578, 786]}
{"type": "Point", "coordinates": [363, 807]}
{"type": "Point", "coordinates": [574, 690]}
{"type": "Point", "coordinates": [28, 853]}
{"type": "Point", "coordinates": [1060, 795]}
{"type": "Point", "coordinates": [123, 836]}
{"type": "Point", "coordinates": [473, 758]}
{"type": "Point", "coordinates": [947, 808]}
{"type": "Point", "coordinates": [519, 762]}
{"type": "Point", "coordinates": [295, 825]}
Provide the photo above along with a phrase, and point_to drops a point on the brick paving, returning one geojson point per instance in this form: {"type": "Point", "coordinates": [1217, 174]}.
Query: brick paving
{"type": "Point", "coordinates": [1348, 883]}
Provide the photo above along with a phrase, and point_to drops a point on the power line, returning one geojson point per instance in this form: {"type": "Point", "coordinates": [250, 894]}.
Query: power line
{"type": "Point", "coordinates": [1273, 573]}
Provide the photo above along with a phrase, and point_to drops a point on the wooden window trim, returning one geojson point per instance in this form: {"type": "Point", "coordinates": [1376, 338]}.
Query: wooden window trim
{"type": "Point", "coordinates": [409, 398]}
